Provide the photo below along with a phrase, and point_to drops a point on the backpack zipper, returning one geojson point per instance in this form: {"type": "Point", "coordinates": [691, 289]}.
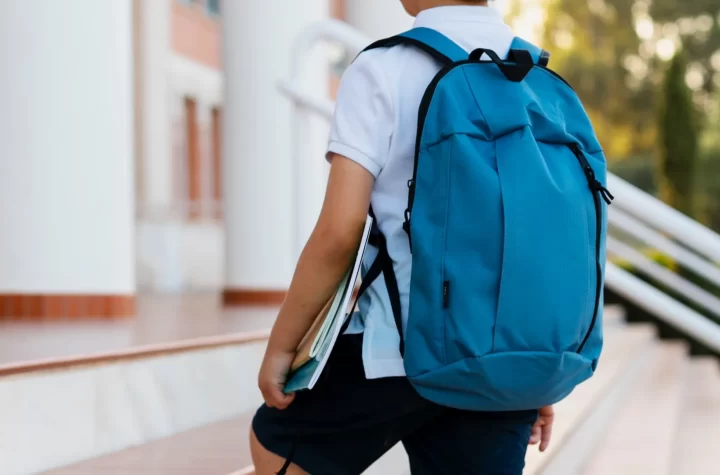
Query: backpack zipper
{"type": "Point", "coordinates": [598, 191]}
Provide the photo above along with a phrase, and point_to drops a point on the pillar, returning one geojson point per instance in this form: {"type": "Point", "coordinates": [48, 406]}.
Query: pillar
{"type": "Point", "coordinates": [270, 195]}
{"type": "Point", "coordinates": [155, 128]}
{"type": "Point", "coordinates": [378, 18]}
{"type": "Point", "coordinates": [66, 158]}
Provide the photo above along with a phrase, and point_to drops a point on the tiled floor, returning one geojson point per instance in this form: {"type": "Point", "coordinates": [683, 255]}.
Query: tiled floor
{"type": "Point", "coordinates": [216, 449]}
{"type": "Point", "coordinates": [160, 319]}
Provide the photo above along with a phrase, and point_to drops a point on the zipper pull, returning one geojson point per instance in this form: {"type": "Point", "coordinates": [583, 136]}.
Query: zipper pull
{"type": "Point", "coordinates": [605, 193]}
{"type": "Point", "coordinates": [406, 228]}
{"type": "Point", "coordinates": [446, 294]}
{"type": "Point", "coordinates": [595, 184]}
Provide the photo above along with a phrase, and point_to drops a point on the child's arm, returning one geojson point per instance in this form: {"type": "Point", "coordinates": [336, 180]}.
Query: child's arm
{"type": "Point", "coordinates": [325, 259]}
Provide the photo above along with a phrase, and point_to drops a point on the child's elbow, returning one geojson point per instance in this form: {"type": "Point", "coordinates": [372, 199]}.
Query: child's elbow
{"type": "Point", "coordinates": [339, 241]}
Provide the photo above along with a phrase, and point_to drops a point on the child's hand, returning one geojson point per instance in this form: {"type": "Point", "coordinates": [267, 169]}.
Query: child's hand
{"type": "Point", "coordinates": [542, 430]}
{"type": "Point", "coordinates": [272, 378]}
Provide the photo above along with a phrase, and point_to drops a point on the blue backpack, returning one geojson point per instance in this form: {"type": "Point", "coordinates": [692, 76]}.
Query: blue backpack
{"type": "Point", "coordinates": [507, 223]}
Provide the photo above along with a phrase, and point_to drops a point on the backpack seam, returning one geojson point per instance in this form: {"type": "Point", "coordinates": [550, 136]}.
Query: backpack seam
{"type": "Point", "coordinates": [502, 254]}
{"type": "Point", "coordinates": [446, 311]}
{"type": "Point", "coordinates": [477, 103]}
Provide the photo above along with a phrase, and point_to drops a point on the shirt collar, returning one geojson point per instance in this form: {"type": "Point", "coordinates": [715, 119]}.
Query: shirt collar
{"type": "Point", "coordinates": [457, 13]}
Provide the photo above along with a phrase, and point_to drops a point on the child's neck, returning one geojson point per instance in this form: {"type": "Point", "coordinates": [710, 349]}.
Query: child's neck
{"type": "Point", "coordinates": [427, 4]}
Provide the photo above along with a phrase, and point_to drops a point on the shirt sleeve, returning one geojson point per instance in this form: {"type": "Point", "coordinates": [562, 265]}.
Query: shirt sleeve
{"type": "Point", "coordinates": [363, 121]}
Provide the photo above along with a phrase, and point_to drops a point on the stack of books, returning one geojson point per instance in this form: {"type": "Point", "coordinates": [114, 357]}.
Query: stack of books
{"type": "Point", "coordinates": [316, 346]}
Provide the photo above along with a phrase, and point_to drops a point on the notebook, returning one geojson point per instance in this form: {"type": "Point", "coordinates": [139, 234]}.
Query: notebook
{"type": "Point", "coordinates": [316, 346]}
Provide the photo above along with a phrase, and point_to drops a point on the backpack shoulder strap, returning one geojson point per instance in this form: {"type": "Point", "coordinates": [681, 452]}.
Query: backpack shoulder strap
{"type": "Point", "coordinates": [432, 42]}
{"type": "Point", "coordinates": [540, 56]}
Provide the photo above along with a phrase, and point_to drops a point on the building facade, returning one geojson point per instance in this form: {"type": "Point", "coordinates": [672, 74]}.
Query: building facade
{"type": "Point", "coordinates": [187, 51]}
{"type": "Point", "coordinates": [146, 148]}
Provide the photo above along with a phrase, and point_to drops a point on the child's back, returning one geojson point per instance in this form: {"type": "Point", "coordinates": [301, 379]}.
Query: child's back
{"type": "Point", "coordinates": [363, 406]}
{"type": "Point", "coordinates": [375, 125]}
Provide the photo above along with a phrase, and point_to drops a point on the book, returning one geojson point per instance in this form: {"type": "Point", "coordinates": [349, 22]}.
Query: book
{"type": "Point", "coordinates": [316, 347]}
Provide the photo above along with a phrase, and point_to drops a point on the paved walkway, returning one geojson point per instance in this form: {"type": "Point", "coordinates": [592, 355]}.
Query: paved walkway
{"type": "Point", "coordinates": [160, 319]}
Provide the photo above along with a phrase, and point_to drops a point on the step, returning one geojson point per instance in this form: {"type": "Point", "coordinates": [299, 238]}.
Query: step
{"type": "Point", "coordinates": [581, 418]}
{"type": "Point", "coordinates": [627, 352]}
{"type": "Point", "coordinates": [640, 438]}
{"type": "Point", "coordinates": [102, 404]}
{"type": "Point", "coordinates": [212, 449]}
{"type": "Point", "coordinates": [698, 431]}
{"type": "Point", "coordinates": [395, 462]}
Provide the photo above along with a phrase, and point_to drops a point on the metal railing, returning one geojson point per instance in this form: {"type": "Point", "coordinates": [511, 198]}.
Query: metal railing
{"type": "Point", "coordinates": [634, 213]}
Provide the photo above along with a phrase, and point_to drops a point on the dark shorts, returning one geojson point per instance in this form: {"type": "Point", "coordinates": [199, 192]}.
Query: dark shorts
{"type": "Point", "coordinates": [348, 422]}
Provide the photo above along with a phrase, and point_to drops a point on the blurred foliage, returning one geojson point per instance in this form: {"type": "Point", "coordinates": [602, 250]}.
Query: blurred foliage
{"type": "Point", "coordinates": [655, 255]}
{"type": "Point", "coordinates": [608, 51]}
{"type": "Point", "coordinates": [658, 257]}
{"type": "Point", "coordinates": [698, 22]}
{"type": "Point", "coordinates": [678, 139]}
{"type": "Point", "coordinates": [616, 55]}
{"type": "Point", "coordinates": [588, 45]}
{"type": "Point", "coordinates": [639, 170]}
{"type": "Point", "coordinates": [708, 186]}
{"type": "Point", "coordinates": [708, 171]}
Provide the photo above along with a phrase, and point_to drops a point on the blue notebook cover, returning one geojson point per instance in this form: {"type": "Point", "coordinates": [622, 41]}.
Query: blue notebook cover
{"type": "Point", "coordinates": [305, 377]}
{"type": "Point", "coordinates": [300, 379]}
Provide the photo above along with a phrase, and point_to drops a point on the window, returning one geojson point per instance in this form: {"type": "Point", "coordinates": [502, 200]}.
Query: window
{"type": "Point", "coordinates": [213, 7]}
{"type": "Point", "coordinates": [194, 175]}
{"type": "Point", "coordinates": [216, 130]}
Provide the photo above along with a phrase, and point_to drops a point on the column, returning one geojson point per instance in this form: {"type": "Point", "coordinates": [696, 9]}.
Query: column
{"type": "Point", "coordinates": [66, 158]}
{"type": "Point", "coordinates": [264, 224]}
{"type": "Point", "coordinates": [378, 18]}
{"type": "Point", "coordinates": [155, 115]}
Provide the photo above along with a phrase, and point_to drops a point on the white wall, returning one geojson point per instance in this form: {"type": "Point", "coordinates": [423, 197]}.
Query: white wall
{"type": "Point", "coordinates": [66, 147]}
{"type": "Point", "coordinates": [156, 140]}
{"type": "Point", "coordinates": [178, 256]}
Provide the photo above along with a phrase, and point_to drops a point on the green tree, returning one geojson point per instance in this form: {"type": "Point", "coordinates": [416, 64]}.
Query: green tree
{"type": "Point", "coordinates": [590, 42]}
{"type": "Point", "coordinates": [697, 23]}
{"type": "Point", "coordinates": [679, 144]}
{"type": "Point", "coordinates": [708, 173]}
{"type": "Point", "coordinates": [609, 51]}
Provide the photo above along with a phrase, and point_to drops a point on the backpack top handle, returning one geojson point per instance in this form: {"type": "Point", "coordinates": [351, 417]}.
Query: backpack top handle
{"type": "Point", "coordinates": [522, 58]}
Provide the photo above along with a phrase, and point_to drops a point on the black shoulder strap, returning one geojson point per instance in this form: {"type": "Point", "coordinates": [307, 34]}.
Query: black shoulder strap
{"type": "Point", "coordinates": [432, 42]}
{"type": "Point", "coordinates": [382, 265]}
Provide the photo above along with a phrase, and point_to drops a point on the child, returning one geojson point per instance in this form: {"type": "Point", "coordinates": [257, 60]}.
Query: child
{"type": "Point", "coordinates": [364, 405]}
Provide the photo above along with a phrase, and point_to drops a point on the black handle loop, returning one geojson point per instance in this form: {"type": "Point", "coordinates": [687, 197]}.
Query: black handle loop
{"type": "Point", "coordinates": [518, 66]}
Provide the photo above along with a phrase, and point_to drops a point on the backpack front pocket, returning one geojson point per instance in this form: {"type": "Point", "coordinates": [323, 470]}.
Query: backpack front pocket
{"type": "Point", "coordinates": [473, 234]}
{"type": "Point", "coordinates": [546, 293]}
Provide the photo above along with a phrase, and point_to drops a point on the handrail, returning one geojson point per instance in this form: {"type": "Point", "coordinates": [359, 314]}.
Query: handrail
{"type": "Point", "coordinates": [325, 30]}
{"type": "Point", "coordinates": [687, 258]}
{"type": "Point", "coordinates": [665, 276]}
{"type": "Point", "coordinates": [148, 351]}
{"type": "Point", "coordinates": [322, 107]}
{"type": "Point", "coordinates": [661, 216]}
{"type": "Point", "coordinates": [663, 306]}
{"type": "Point", "coordinates": [629, 199]}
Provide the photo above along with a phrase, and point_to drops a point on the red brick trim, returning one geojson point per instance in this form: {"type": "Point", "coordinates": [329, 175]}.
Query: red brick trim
{"type": "Point", "coordinates": [233, 297]}
{"type": "Point", "coordinates": [40, 306]}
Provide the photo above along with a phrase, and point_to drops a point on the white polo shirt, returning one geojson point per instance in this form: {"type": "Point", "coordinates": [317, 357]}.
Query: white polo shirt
{"type": "Point", "coordinates": [375, 125]}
